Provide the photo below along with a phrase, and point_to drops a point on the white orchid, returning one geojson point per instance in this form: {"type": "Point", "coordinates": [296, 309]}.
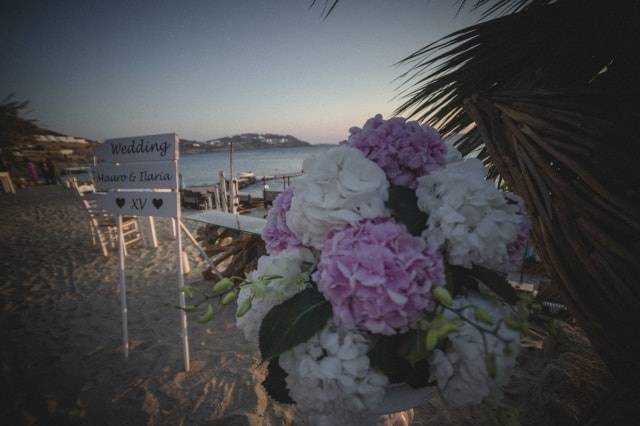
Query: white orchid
{"type": "Point", "coordinates": [287, 272]}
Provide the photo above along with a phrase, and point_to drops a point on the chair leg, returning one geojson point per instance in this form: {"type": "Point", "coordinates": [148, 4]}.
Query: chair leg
{"type": "Point", "coordinates": [93, 233]}
{"type": "Point", "coordinates": [100, 237]}
{"type": "Point", "coordinates": [141, 233]}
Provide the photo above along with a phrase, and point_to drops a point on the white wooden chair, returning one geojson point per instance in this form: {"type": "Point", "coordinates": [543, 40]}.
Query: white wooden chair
{"type": "Point", "coordinates": [104, 228]}
{"type": "Point", "coordinates": [103, 225]}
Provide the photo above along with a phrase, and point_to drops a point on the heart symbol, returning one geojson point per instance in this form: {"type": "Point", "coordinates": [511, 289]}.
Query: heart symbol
{"type": "Point", "coordinates": [157, 202]}
{"type": "Point", "coordinates": [120, 202]}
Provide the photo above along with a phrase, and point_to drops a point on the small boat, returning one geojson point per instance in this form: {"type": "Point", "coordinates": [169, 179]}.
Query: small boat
{"type": "Point", "coordinates": [246, 175]}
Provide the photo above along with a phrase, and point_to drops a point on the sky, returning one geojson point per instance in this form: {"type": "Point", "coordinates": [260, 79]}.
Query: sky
{"type": "Point", "coordinates": [212, 68]}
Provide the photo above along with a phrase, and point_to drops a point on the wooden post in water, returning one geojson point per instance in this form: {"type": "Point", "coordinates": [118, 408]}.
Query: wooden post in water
{"type": "Point", "coordinates": [264, 191]}
{"type": "Point", "coordinates": [233, 196]}
{"type": "Point", "coordinates": [224, 198]}
{"type": "Point", "coordinates": [231, 160]}
{"type": "Point", "coordinates": [216, 195]}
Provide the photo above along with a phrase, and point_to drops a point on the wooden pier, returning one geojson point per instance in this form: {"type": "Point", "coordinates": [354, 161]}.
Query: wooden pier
{"type": "Point", "coordinates": [225, 195]}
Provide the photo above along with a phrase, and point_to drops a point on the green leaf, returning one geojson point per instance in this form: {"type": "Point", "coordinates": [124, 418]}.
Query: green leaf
{"type": "Point", "coordinates": [404, 208]}
{"type": "Point", "coordinates": [244, 307]}
{"type": "Point", "coordinates": [258, 288]}
{"type": "Point", "coordinates": [189, 308]}
{"type": "Point", "coordinates": [229, 297]}
{"type": "Point", "coordinates": [494, 281]}
{"type": "Point", "coordinates": [443, 296]}
{"type": "Point", "coordinates": [274, 383]}
{"type": "Point", "coordinates": [482, 315]}
{"type": "Point", "coordinates": [432, 339]}
{"type": "Point", "coordinates": [389, 355]}
{"type": "Point", "coordinates": [414, 349]}
{"type": "Point", "coordinates": [293, 322]}
{"type": "Point", "coordinates": [208, 316]}
{"type": "Point", "coordinates": [271, 277]}
{"type": "Point", "coordinates": [186, 290]}
{"type": "Point", "coordinates": [490, 363]}
{"type": "Point", "coordinates": [446, 328]}
{"type": "Point", "coordinates": [222, 285]}
{"type": "Point", "coordinates": [497, 283]}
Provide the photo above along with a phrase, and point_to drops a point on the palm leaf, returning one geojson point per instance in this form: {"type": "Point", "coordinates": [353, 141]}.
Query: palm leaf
{"type": "Point", "coordinates": [540, 44]}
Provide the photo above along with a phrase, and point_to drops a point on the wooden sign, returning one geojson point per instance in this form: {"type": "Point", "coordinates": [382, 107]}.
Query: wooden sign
{"type": "Point", "coordinates": [151, 175]}
{"type": "Point", "coordinates": [123, 167]}
{"type": "Point", "coordinates": [139, 148]}
{"type": "Point", "coordinates": [139, 203]}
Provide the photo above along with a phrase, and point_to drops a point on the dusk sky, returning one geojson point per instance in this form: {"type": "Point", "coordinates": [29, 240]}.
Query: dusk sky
{"type": "Point", "coordinates": [206, 69]}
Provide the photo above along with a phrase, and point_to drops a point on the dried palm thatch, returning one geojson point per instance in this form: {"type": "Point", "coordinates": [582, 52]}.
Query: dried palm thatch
{"type": "Point", "coordinates": [569, 159]}
{"type": "Point", "coordinates": [541, 44]}
{"type": "Point", "coordinates": [233, 252]}
{"type": "Point", "coordinates": [546, 96]}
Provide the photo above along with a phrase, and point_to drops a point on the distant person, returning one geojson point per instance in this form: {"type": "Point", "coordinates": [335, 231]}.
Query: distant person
{"type": "Point", "coordinates": [32, 171]}
{"type": "Point", "coordinates": [43, 171]}
{"type": "Point", "coordinates": [52, 172]}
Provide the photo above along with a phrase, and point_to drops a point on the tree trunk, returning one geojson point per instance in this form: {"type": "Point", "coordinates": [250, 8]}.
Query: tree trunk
{"type": "Point", "coordinates": [573, 158]}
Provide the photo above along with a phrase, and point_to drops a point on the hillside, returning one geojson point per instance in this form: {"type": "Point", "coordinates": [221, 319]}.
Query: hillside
{"type": "Point", "coordinates": [244, 141]}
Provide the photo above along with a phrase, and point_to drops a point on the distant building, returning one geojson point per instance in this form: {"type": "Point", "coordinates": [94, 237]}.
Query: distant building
{"type": "Point", "coordinates": [64, 139]}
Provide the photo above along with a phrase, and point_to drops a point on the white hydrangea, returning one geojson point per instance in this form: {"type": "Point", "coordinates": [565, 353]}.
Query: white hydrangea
{"type": "Point", "coordinates": [468, 215]}
{"type": "Point", "coordinates": [330, 373]}
{"type": "Point", "coordinates": [453, 154]}
{"type": "Point", "coordinates": [460, 370]}
{"type": "Point", "coordinates": [293, 266]}
{"type": "Point", "coordinates": [339, 186]}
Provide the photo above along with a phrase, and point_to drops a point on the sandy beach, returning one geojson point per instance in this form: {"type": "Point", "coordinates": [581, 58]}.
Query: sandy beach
{"type": "Point", "coordinates": [61, 355]}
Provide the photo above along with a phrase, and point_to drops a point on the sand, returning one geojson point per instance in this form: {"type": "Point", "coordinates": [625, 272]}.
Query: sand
{"type": "Point", "coordinates": [61, 355]}
{"type": "Point", "coordinates": [61, 359]}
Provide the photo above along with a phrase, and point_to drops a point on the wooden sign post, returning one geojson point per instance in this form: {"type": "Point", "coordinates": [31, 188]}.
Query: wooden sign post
{"type": "Point", "coordinates": [140, 175]}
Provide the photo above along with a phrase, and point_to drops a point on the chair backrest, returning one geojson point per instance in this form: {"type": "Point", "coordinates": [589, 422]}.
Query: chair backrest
{"type": "Point", "coordinates": [90, 201]}
{"type": "Point", "coordinates": [81, 189]}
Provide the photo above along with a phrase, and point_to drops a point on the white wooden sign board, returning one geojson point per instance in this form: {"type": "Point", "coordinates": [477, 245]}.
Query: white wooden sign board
{"type": "Point", "coordinates": [140, 203]}
{"type": "Point", "coordinates": [139, 148]}
{"type": "Point", "coordinates": [151, 175]}
{"type": "Point", "coordinates": [142, 162]}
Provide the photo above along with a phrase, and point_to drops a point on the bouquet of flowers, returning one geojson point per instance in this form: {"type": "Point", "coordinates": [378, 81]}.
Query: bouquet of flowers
{"type": "Point", "coordinates": [385, 263]}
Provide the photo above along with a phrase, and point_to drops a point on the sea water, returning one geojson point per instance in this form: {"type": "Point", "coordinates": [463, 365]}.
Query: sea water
{"type": "Point", "coordinates": [204, 169]}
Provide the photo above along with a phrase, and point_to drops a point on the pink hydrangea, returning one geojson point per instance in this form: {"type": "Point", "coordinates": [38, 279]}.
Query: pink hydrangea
{"type": "Point", "coordinates": [405, 150]}
{"type": "Point", "coordinates": [276, 234]}
{"type": "Point", "coordinates": [377, 276]}
{"type": "Point", "coordinates": [516, 247]}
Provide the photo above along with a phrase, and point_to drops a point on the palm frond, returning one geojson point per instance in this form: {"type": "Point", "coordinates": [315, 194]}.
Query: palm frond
{"type": "Point", "coordinates": [14, 127]}
{"type": "Point", "coordinates": [571, 155]}
{"type": "Point", "coordinates": [327, 8]}
{"type": "Point", "coordinates": [543, 45]}
{"type": "Point", "coordinates": [497, 7]}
